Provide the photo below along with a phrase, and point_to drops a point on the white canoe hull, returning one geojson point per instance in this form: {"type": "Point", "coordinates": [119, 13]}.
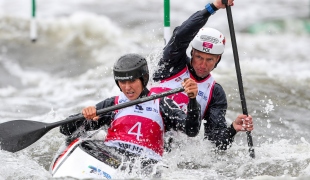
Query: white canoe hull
{"type": "Point", "coordinates": [77, 163]}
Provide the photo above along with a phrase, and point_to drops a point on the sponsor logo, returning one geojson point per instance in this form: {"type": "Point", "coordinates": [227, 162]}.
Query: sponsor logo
{"type": "Point", "coordinates": [139, 107]}
{"type": "Point", "coordinates": [209, 39]}
{"type": "Point", "coordinates": [155, 110]}
{"type": "Point", "coordinates": [131, 147]}
{"type": "Point", "coordinates": [207, 45]}
{"type": "Point", "coordinates": [200, 93]}
{"type": "Point", "coordinates": [178, 79]}
{"type": "Point", "coordinates": [151, 109]}
{"type": "Point", "coordinates": [99, 172]}
{"type": "Point", "coordinates": [122, 100]}
{"type": "Point", "coordinates": [123, 78]}
{"type": "Point", "coordinates": [205, 97]}
{"type": "Point", "coordinates": [207, 50]}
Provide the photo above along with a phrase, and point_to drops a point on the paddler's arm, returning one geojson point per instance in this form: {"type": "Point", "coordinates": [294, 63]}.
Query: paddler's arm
{"type": "Point", "coordinates": [177, 119]}
{"type": "Point", "coordinates": [69, 128]}
{"type": "Point", "coordinates": [104, 119]}
{"type": "Point", "coordinates": [216, 129]}
{"type": "Point", "coordinates": [215, 126]}
{"type": "Point", "coordinates": [174, 57]}
{"type": "Point", "coordinates": [193, 120]}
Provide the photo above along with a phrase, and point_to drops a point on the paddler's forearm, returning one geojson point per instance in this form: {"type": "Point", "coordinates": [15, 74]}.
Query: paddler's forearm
{"type": "Point", "coordinates": [193, 118]}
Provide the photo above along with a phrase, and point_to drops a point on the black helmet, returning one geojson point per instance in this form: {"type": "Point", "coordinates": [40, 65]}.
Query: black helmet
{"type": "Point", "coordinates": [130, 67]}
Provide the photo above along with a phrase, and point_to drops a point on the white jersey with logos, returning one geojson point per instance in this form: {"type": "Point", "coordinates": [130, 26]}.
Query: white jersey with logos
{"type": "Point", "coordinates": [203, 97]}
{"type": "Point", "coordinates": [138, 129]}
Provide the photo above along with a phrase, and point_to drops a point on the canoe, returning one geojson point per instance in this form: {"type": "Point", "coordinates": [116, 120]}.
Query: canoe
{"type": "Point", "coordinates": [85, 159]}
{"type": "Point", "coordinates": [90, 158]}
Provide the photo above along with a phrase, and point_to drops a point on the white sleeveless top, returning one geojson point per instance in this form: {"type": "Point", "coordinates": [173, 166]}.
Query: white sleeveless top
{"type": "Point", "coordinates": [203, 97]}
{"type": "Point", "coordinates": [138, 129]}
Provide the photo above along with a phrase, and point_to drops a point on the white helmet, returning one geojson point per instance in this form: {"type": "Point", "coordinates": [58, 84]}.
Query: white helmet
{"type": "Point", "coordinates": [209, 40]}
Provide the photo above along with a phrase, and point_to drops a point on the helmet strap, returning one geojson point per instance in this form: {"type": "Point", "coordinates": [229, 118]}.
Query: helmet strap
{"type": "Point", "coordinates": [217, 62]}
{"type": "Point", "coordinates": [118, 86]}
{"type": "Point", "coordinates": [142, 81]}
{"type": "Point", "coordinates": [191, 57]}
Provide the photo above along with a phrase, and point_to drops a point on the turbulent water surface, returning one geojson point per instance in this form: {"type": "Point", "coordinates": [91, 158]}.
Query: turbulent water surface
{"type": "Point", "coordinates": [69, 67]}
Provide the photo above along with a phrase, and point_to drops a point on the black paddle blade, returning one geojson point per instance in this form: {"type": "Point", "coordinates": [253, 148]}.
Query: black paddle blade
{"type": "Point", "coordinates": [19, 134]}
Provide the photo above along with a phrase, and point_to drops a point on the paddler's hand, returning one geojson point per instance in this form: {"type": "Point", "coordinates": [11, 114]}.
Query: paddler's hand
{"type": "Point", "coordinates": [243, 123]}
{"type": "Point", "coordinates": [190, 87]}
{"type": "Point", "coordinates": [219, 5]}
{"type": "Point", "coordinates": [90, 113]}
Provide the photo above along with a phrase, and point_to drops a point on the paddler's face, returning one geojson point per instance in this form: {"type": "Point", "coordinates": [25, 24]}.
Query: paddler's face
{"type": "Point", "coordinates": [203, 63]}
{"type": "Point", "coordinates": [131, 88]}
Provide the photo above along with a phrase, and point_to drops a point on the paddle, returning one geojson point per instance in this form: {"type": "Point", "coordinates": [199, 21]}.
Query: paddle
{"type": "Point", "coordinates": [18, 134]}
{"type": "Point", "coordinates": [238, 71]}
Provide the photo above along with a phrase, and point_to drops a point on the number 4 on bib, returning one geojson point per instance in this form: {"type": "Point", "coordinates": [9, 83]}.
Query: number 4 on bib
{"type": "Point", "coordinates": [136, 130]}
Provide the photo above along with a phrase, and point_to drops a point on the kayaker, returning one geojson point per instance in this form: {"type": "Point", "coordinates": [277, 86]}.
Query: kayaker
{"type": "Point", "coordinates": [138, 131]}
{"type": "Point", "coordinates": [207, 46]}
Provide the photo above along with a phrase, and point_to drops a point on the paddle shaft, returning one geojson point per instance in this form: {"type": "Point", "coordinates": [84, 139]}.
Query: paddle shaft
{"type": "Point", "coordinates": [238, 71]}
{"type": "Point", "coordinates": [18, 134]}
{"type": "Point", "coordinates": [120, 106]}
